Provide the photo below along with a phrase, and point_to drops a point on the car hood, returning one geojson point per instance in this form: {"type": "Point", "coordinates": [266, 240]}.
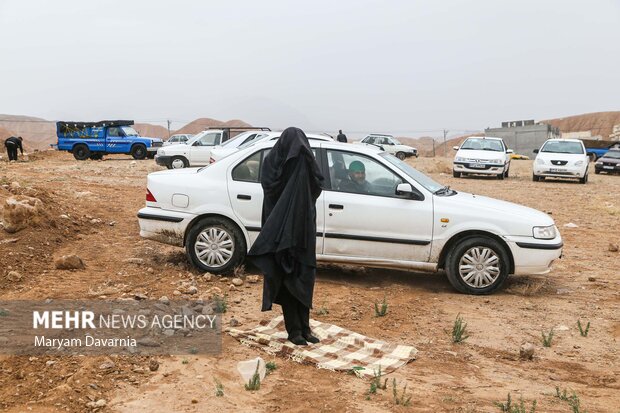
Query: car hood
{"type": "Point", "coordinates": [512, 219]}
{"type": "Point", "coordinates": [609, 160]}
{"type": "Point", "coordinates": [547, 156]}
{"type": "Point", "coordinates": [483, 155]}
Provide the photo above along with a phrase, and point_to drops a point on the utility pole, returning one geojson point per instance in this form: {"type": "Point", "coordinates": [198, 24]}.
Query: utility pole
{"type": "Point", "coordinates": [168, 128]}
{"type": "Point", "coordinates": [445, 133]}
{"type": "Point", "coordinates": [433, 147]}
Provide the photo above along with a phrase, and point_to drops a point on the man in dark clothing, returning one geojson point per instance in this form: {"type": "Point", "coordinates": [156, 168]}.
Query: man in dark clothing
{"type": "Point", "coordinates": [285, 249]}
{"type": "Point", "coordinates": [341, 137]}
{"type": "Point", "coordinates": [12, 144]}
{"type": "Point", "coordinates": [356, 181]}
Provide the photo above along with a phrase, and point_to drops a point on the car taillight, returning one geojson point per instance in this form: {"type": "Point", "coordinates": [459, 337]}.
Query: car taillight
{"type": "Point", "coordinates": [211, 160]}
{"type": "Point", "coordinates": [149, 196]}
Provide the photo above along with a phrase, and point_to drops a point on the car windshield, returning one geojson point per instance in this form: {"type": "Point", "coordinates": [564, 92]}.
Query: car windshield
{"type": "Point", "coordinates": [612, 154]}
{"type": "Point", "coordinates": [483, 145]}
{"type": "Point", "coordinates": [562, 147]}
{"type": "Point", "coordinates": [129, 131]}
{"type": "Point", "coordinates": [418, 176]}
{"type": "Point", "coordinates": [396, 141]}
{"type": "Point", "coordinates": [237, 139]}
{"type": "Point", "coordinates": [253, 141]}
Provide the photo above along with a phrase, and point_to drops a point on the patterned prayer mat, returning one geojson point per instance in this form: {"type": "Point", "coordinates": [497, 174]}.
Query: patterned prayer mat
{"type": "Point", "coordinates": [339, 349]}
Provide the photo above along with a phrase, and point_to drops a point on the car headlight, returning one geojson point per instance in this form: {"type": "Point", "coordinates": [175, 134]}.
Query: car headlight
{"type": "Point", "coordinates": [161, 152]}
{"type": "Point", "coordinates": [540, 161]}
{"type": "Point", "coordinates": [549, 232]}
{"type": "Point", "coordinates": [495, 161]}
{"type": "Point", "coordinates": [460, 159]}
{"type": "Point", "coordinates": [578, 163]}
{"type": "Point", "coordinates": [599, 162]}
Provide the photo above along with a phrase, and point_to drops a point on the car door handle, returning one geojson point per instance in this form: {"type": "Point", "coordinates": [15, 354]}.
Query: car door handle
{"type": "Point", "coordinates": [336, 206]}
{"type": "Point", "coordinates": [245, 197]}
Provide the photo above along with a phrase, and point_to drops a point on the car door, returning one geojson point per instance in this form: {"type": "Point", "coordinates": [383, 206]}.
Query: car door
{"type": "Point", "coordinates": [373, 222]}
{"type": "Point", "coordinates": [246, 196]}
{"type": "Point", "coordinates": [200, 151]}
{"type": "Point", "coordinates": [116, 141]}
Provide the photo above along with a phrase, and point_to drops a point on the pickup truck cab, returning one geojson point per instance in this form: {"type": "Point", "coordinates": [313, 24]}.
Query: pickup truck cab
{"type": "Point", "coordinates": [92, 140]}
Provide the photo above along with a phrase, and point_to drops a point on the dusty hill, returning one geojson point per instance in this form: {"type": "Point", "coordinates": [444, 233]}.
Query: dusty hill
{"type": "Point", "coordinates": [37, 133]}
{"type": "Point", "coordinates": [600, 123]}
{"type": "Point", "coordinates": [152, 131]}
{"type": "Point", "coordinates": [202, 123]}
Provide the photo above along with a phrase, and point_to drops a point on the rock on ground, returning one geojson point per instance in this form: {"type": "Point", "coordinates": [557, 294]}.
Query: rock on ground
{"type": "Point", "coordinates": [69, 262]}
{"type": "Point", "coordinates": [21, 211]}
{"type": "Point", "coordinates": [527, 351]}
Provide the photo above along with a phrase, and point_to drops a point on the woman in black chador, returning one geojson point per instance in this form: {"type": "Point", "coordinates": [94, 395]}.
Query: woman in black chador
{"type": "Point", "coordinates": [285, 250]}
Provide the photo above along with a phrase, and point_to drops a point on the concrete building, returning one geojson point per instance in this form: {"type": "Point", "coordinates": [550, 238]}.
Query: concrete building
{"type": "Point", "coordinates": [523, 136]}
{"type": "Point", "coordinates": [584, 134]}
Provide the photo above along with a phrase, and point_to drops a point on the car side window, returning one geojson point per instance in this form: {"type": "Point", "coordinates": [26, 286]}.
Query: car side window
{"type": "Point", "coordinates": [248, 170]}
{"type": "Point", "coordinates": [210, 139]}
{"type": "Point", "coordinates": [351, 172]}
{"type": "Point", "coordinates": [114, 132]}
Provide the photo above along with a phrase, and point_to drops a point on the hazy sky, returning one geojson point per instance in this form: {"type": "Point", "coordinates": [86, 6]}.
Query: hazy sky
{"type": "Point", "coordinates": [386, 66]}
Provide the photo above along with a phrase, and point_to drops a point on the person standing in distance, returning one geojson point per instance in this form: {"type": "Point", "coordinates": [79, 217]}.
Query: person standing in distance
{"type": "Point", "coordinates": [341, 137]}
{"type": "Point", "coordinates": [285, 249]}
{"type": "Point", "coordinates": [11, 145]}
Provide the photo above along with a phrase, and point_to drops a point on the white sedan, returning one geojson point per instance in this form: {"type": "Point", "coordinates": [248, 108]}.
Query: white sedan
{"type": "Point", "coordinates": [561, 158]}
{"type": "Point", "coordinates": [399, 219]}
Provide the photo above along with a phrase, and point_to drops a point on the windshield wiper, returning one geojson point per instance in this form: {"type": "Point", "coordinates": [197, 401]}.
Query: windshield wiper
{"type": "Point", "coordinates": [444, 191]}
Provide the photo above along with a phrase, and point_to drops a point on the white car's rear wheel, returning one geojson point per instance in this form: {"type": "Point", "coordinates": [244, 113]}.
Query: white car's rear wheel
{"type": "Point", "coordinates": [178, 162]}
{"type": "Point", "coordinates": [215, 245]}
{"type": "Point", "coordinates": [477, 265]}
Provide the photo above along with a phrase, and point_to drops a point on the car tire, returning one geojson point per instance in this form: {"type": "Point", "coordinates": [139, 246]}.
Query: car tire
{"type": "Point", "coordinates": [178, 162]}
{"type": "Point", "coordinates": [500, 176]}
{"type": "Point", "coordinates": [401, 155]}
{"type": "Point", "coordinates": [506, 173]}
{"type": "Point", "coordinates": [584, 180]}
{"type": "Point", "coordinates": [597, 171]}
{"type": "Point", "coordinates": [217, 235]}
{"type": "Point", "coordinates": [535, 178]}
{"type": "Point", "coordinates": [138, 151]}
{"type": "Point", "coordinates": [593, 157]}
{"type": "Point", "coordinates": [151, 155]}
{"type": "Point", "coordinates": [81, 152]}
{"type": "Point", "coordinates": [477, 250]}
{"type": "Point", "coordinates": [456, 174]}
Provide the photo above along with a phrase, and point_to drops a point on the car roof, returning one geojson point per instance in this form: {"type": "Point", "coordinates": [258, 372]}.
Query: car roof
{"type": "Point", "coordinates": [380, 134]}
{"type": "Point", "coordinates": [564, 140]}
{"type": "Point", "coordinates": [491, 138]}
{"type": "Point", "coordinates": [325, 143]}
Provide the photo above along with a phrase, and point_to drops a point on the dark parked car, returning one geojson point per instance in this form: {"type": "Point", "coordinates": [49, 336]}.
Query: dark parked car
{"type": "Point", "coordinates": [610, 162]}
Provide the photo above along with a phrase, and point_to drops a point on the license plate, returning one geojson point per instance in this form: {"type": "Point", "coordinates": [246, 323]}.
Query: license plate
{"type": "Point", "coordinates": [608, 167]}
{"type": "Point", "coordinates": [557, 170]}
{"type": "Point", "coordinates": [476, 165]}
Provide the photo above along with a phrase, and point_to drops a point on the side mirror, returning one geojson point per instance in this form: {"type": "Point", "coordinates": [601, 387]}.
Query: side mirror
{"type": "Point", "coordinates": [509, 151]}
{"type": "Point", "coordinates": [535, 150]}
{"type": "Point", "coordinates": [456, 148]}
{"type": "Point", "coordinates": [406, 189]}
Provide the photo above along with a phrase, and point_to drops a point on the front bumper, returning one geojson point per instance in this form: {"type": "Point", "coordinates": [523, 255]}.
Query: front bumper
{"type": "Point", "coordinates": [163, 160]}
{"type": "Point", "coordinates": [560, 171]}
{"type": "Point", "coordinates": [607, 168]}
{"type": "Point", "coordinates": [534, 256]}
{"type": "Point", "coordinates": [410, 154]}
{"type": "Point", "coordinates": [484, 169]}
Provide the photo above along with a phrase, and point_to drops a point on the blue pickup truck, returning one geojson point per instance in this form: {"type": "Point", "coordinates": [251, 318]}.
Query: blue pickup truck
{"type": "Point", "coordinates": [597, 148]}
{"type": "Point", "coordinates": [92, 140]}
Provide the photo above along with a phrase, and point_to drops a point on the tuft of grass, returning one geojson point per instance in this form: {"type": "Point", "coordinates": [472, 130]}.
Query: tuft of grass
{"type": "Point", "coordinates": [381, 311]}
{"type": "Point", "coordinates": [459, 330]}
{"type": "Point", "coordinates": [185, 361]}
{"type": "Point", "coordinates": [271, 366]}
{"type": "Point", "coordinates": [322, 311]}
{"type": "Point", "coordinates": [547, 339]}
{"type": "Point", "coordinates": [220, 304]}
{"type": "Point", "coordinates": [254, 383]}
{"type": "Point", "coordinates": [584, 333]}
{"type": "Point", "coordinates": [572, 400]}
{"type": "Point", "coordinates": [401, 399]}
{"type": "Point", "coordinates": [376, 384]}
{"type": "Point", "coordinates": [508, 407]}
{"type": "Point", "coordinates": [219, 388]}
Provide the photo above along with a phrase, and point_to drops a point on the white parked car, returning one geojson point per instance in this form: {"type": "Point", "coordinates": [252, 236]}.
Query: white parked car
{"type": "Point", "coordinates": [225, 150]}
{"type": "Point", "coordinates": [390, 144]}
{"type": "Point", "coordinates": [196, 152]}
{"type": "Point", "coordinates": [482, 155]}
{"type": "Point", "coordinates": [240, 141]}
{"type": "Point", "coordinates": [178, 138]}
{"type": "Point", "coordinates": [561, 158]}
{"type": "Point", "coordinates": [402, 219]}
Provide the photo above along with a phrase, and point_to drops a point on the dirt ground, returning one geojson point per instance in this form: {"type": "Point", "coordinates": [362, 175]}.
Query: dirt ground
{"type": "Point", "coordinates": [92, 208]}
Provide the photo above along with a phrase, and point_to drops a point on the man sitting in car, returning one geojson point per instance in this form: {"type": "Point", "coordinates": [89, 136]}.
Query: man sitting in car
{"type": "Point", "coordinates": [356, 181]}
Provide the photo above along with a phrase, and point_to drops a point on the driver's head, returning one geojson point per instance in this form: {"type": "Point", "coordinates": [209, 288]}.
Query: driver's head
{"type": "Point", "coordinates": [357, 171]}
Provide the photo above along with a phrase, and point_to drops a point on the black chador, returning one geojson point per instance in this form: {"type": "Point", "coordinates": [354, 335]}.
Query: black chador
{"type": "Point", "coordinates": [285, 250]}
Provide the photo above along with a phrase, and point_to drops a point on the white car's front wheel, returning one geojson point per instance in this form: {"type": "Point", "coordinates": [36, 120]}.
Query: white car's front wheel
{"type": "Point", "coordinates": [215, 245]}
{"type": "Point", "coordinates": [477, 265]}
